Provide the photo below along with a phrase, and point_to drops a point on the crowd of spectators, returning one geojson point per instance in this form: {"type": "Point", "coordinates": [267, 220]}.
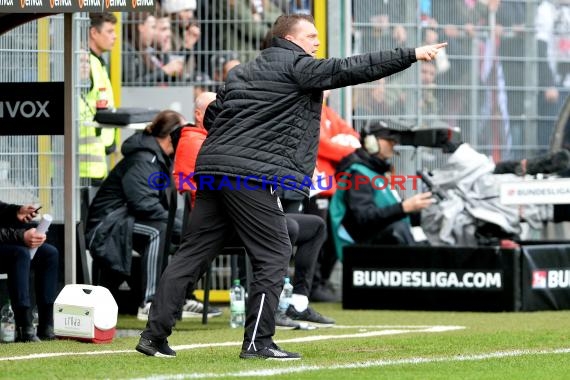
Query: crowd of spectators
{"type": "Point", "coordinates": [187, 42]}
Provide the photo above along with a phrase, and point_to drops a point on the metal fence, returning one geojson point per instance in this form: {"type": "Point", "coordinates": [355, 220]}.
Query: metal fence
{"type": "Point", "coordinates": [490, 83]}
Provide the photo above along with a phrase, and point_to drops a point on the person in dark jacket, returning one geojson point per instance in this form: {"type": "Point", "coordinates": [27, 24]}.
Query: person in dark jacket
{"type": "Point", "coordinates": [17, 236]}
{"type": "Point", "coordinates": [371, 211]}
{"type": "Point", "coordinates": [265, 123]}
{"type": "Point", "coordinates": [138, 184]}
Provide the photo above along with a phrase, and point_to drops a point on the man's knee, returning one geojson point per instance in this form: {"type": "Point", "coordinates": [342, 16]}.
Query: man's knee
{"type": "Point", "coordinates": [293, 230]}
{"type": "Point", "coordinates": [19, 253]}
{"type": "Point", "coordinates": [49, 253]}
{"type": "Point", "coordinates": [322, 228]}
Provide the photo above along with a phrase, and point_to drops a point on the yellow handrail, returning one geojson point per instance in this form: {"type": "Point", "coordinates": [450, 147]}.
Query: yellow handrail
{"type": "Point", "coordinates": [320, 14]}
{"type": "Point", "coordinates": [115, 68]}
{"type": "Point", "coordinates": [45, 168]}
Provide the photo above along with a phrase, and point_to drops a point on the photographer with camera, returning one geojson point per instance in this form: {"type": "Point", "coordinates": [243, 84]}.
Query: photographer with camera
{"type": "Point", "coordinates": [364, 208]}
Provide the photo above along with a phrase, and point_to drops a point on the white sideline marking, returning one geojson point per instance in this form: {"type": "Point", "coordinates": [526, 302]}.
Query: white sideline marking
{"type": "Point", "coordinates": [389, 330]}
{"type": "Point", "coordinates": [390, 326]}
{"type": "Point", "coordinates": [368, 364]}
{"type": "Point", "coordinates": [313, 338]}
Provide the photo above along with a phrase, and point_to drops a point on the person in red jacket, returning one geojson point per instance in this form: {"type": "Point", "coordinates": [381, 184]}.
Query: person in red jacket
{"type": "Point", "coordinates": [191, 140]}
{"type": "Point", "coordinates": [337, 140]}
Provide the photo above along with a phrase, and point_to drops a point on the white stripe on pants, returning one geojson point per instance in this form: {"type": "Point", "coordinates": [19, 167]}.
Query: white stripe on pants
{"type": "Point", "coordinates": [151, 257]}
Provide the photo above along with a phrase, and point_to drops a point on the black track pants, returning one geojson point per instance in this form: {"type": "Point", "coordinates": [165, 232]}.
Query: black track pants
{"type": "Point", "coordinates": [258, 219]}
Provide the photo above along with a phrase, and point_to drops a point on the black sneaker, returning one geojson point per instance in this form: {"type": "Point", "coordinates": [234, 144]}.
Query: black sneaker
{"type": "Point", "coordinates": [283, 322]}
{"type": "Point", "coordinates": [272, 352]}
{"type": "Point", "coordinates": [310, 316]}
{"type": "Point", "coordinates": [194, 309]}
{"type": "Point", "coordinates": [155, 348]}
{"type": "Point", "coordinates": [323, 294]}
{"type": "Point", "coordinates": [26, 335]}
{"type": "Point", "coordinates": [46, 333]}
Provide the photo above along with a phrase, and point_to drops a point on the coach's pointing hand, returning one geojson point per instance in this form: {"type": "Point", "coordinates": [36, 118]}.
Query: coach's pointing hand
{"type": "Point", "coordinates": [428, 52]}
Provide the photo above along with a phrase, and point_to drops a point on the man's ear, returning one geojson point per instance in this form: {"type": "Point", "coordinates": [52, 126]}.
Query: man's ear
{"type": "Point", "coordinates": [289, 37]}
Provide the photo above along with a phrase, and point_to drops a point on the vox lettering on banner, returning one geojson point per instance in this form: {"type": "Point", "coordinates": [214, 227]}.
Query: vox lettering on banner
{"type": "Point", "coordinates": [31, 108]}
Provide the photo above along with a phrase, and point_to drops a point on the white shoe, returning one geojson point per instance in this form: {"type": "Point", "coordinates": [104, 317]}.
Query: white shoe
{"type": "Point", "coordinates": [143, 312]}
{"type": "Point", "coordinates": [194, 309]}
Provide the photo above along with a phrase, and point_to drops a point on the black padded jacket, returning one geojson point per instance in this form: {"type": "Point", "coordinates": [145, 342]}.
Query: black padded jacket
{"type": "Point", "coordinates": [133, 182]}
{"type": "Point", "coordinates": [265, 120]}
{"type": "Point", "coordinates": [10, 232]}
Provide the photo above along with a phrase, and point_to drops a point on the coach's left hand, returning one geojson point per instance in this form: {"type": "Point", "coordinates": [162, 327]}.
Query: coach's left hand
{"type": "Point", "coordinates": [428, 52]}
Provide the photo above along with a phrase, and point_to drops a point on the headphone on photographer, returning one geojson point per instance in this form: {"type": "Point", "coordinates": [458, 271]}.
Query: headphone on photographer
{"type": "Point", "coordinates": [369, 139]}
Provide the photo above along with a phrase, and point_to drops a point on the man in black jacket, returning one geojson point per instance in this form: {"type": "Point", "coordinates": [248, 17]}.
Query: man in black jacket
{"type": "Point", "coordinates": [263, 132]}
{"type": "Point", "coordinates": [16, 239]}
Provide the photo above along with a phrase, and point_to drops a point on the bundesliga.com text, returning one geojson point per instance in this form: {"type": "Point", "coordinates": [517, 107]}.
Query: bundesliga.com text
{"type": "Point", "coordinates": [426, 279]}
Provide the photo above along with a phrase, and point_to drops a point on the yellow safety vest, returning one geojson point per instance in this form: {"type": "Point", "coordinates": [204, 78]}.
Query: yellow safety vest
{"type": "Point", "coordinates": [90, 147]}
{"type": "Point", "coordinates": [92, 141]}
{"type": "Point", "coordinates": [100, 79]}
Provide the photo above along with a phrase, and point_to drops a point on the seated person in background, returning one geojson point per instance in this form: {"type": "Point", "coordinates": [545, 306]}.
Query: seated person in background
{"type": "Point", "coordinates": [308, 232]}
{"type": "Point", "coordinates": [372, 213]}
{"type": "Point", "coordinates": [337, 139]}
{"type": "Point", "coordinates": [130, 209]}
{"type": "Point", "coordinates": [189, 144]}
{"type": "Point", "coordinates": [16, 239]}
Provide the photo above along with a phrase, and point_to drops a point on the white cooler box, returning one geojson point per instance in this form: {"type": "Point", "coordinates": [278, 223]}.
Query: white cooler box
{"type": "Point", "coordinates": [85, 312]}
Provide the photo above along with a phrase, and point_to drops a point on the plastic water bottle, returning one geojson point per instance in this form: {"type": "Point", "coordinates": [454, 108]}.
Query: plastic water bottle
{"type": "Point", "coordinates": [7, 324]}
{"type": "Point", "coordinates": [286, 294]}
{"type": "Point", "coordinates": [41, 228]}
{"type": "Point", "coordinates": [237, 305]}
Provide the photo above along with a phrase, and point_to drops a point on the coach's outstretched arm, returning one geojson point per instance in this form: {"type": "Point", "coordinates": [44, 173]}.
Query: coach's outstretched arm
{"type": "Point", "coordinates": [323, 74]}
